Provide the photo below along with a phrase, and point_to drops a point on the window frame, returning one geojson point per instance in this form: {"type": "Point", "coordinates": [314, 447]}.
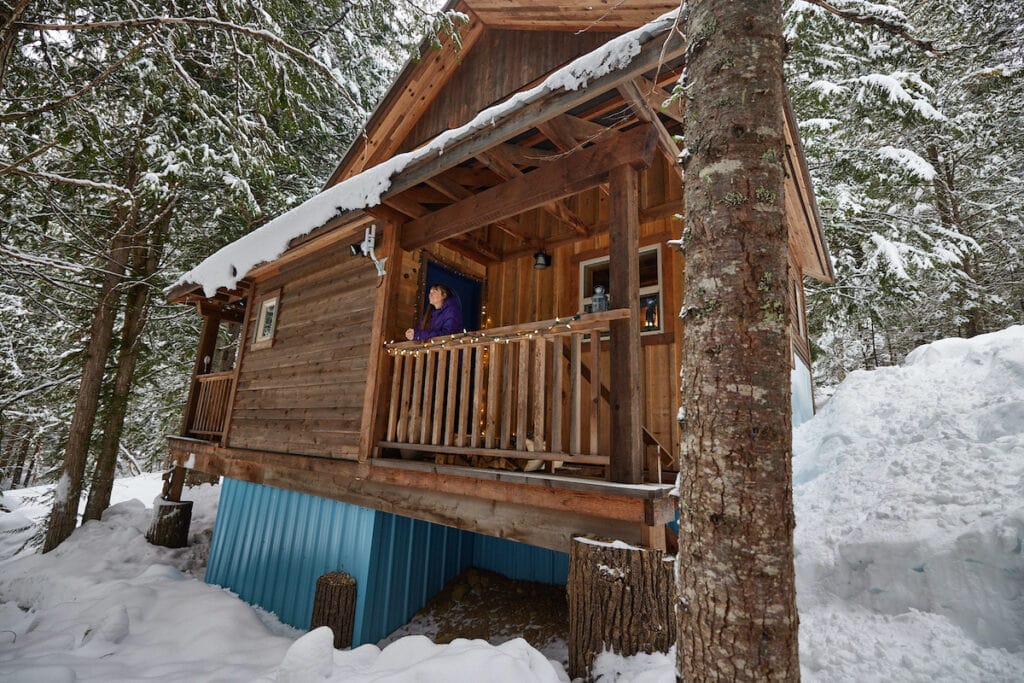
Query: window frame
{"type": "Point", "coordinates": [658, 288]}
{"type": "Point", "coordinates": [261, 340]}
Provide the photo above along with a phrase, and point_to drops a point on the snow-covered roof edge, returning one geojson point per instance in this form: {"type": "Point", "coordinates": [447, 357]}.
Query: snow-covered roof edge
{"type": "Point", "coordinates": [234, 261]}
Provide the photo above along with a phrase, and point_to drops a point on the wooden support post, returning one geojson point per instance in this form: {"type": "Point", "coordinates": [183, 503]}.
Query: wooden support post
{"type": "Point", "coordinates": [334, 605]}
{"type": "Point", "coordinates": [171, 519]}
{"type": "Point", "coordinates": [627, 464]}
{"type": "Point", "coordinates": [207, 344]}
{"type": "Point", "coordinates": [621, 599]}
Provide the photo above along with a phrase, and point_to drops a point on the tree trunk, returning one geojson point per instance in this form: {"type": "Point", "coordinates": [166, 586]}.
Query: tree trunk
{"type": "Point", "coordinates": [145, 261]}
{"type": "Point", "coordinates": [737, 616]}
{"type": "Point", "coordinates": [19, 462]}
{"type": "Point", "coordinates": [334, 605]}
{"type": "Point", "coordinates": [621, 599]}
{"type": "Point", "coordinates": [171, 520]}
{"type": "Point", "coordinates": [64, 515]}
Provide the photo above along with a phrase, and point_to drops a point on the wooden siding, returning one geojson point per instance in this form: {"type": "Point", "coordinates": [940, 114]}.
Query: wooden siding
{"type": "Point", "coordinates": [501, 62]}
{"type": "Point", "coordinates": [304, 394]}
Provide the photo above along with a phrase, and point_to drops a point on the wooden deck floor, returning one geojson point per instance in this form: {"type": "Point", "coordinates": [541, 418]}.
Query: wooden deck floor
{"type": "Point", "coordinates": [538, 508]}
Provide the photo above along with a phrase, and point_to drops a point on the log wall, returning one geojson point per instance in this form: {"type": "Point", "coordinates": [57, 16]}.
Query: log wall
{"type": "Point", "coordinates": [304, 394]}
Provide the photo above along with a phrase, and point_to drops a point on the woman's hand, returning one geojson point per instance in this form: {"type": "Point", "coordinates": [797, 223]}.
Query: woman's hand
{"type": "Point", "coordinates": [409, 334]}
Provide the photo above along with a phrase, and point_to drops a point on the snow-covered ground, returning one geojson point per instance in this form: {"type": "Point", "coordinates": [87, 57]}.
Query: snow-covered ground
{"type": "Point", "coordinates": [909, 494]}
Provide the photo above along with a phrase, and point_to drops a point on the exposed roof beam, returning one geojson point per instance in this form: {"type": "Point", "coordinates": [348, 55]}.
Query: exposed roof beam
{"type": "Point", "coordinates": [505, 168]}
{"type": "Point", "coordinates": [661, 47]}
{"type": "Point", "coordinates": [633, 94]}
{"type": "Point", "coordinates": [454, 191]}
{"type": "Point", "coordinates": [656, 96]}
{"type": "Point", "coordinates": [571, 174]}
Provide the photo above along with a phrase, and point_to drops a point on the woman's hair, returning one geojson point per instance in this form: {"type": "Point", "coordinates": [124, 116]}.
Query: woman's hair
{"type": "Point", "coordinates": [429, 313]}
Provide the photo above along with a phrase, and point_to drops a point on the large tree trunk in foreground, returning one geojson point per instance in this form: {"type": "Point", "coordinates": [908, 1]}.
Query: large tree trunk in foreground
{"type": "Point", "coordinates": [64, 515]}
{"type": "Point", "coordinates": [737, 617]}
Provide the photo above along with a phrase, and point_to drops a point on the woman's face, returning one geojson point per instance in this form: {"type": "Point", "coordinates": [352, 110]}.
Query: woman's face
{"type": "Point", "coordinates": [435, 297]}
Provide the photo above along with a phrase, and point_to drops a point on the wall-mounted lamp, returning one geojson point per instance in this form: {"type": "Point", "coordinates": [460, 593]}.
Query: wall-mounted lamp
{"type": "Point", "coordinates": [365, 248]}
{"type": "Point", "coordinates": [541, 260]}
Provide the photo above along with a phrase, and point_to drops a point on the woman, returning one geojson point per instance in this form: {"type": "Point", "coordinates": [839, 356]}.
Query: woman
{"type": "Point", "coordinates": [443, 315]}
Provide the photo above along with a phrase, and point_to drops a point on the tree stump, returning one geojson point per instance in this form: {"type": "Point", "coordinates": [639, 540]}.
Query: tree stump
{"type": "Point", "coordinates": [621, 598]}
{"type": "Point", "coordinates": [171, 519]}
{"type": "Point", "coordinates": [334, 605]}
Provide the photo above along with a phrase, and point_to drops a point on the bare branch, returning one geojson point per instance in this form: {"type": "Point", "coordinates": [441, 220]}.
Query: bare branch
{"type": "Point", "coordinates": [91, 184]}
{"type": "Point", "coordinates": [10, 168]}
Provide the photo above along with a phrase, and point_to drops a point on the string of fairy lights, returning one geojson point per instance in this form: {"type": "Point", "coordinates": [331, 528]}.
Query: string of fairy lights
{"type": "Point", "coordinates": [467, 338]}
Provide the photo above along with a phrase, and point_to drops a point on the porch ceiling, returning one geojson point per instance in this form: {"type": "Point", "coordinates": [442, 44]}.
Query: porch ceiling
{"type": "Point", "coordinates": [472, 206]}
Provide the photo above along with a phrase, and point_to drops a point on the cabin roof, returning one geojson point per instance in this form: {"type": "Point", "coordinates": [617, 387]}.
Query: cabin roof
{"type": "Point", "coordinates": [588, 92]}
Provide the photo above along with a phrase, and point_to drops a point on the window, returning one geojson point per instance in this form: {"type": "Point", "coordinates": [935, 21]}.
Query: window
{"type": "Point", "coordinates": [266, 320]}
{"type": "Point", "coordinates": [595, 273]}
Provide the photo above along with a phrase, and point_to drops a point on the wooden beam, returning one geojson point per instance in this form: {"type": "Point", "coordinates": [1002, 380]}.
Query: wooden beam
{"type": "Point", "coordinates": [627, 462]}
{"type": "Point", "coordinates": [457, 192]}
{"type": "Point", "coordinates": [569, 175]}
{"type": "Point", "coordinates": [661, 47]}
{"type": "Point", "coordinates": [656, 96]}
{"type": "Point", "coordinates": [374, 420]}
{"type": "Point", "coordinates": [407, 206]}
{"type": "Point", "coordinates": [538, 509]}
{"type": "Point", "coordinates": [631, 91]}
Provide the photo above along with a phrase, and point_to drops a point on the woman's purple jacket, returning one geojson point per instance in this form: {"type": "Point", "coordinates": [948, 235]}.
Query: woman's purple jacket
{"type": "Point", "coordinates": [445, 320]}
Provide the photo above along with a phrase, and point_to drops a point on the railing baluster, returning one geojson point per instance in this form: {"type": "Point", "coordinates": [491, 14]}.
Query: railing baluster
{"type": "Point", "coordinates": [417, 399]}
{"type": "Point", "coordinates": [575, 393]}
{"type": "Point", "coordinates": [440, 385]}
{"type": "Point", "coordinates": [556, 394]}
{"type": "Point", "coordinates": [508, 397]}
{"type": "Point", "coordinates": [396, 390]}
{"type": "Point", "coordinates": [404, 408]}
{"type": "Point", "coordinates": [540, 348]}
{"type": "Point", "coordinates": [595, 389]}
{"type": "Point", "coordinates": [428, 388]}
{"type": "Point", "coordinates": [464, 397]}
{"type": "Point", "coordinates": [477, 354]}
{"type": "Point", "coordinates": [452, 393]}
{"type": "Point", "coordinates": [494, 394]}
{"type": "Point", "coordinates": [522, 404]}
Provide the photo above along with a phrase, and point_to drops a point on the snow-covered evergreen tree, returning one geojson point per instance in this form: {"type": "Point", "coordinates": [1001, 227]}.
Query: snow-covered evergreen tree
{"type": "Point", "coordinates": [917, 160]}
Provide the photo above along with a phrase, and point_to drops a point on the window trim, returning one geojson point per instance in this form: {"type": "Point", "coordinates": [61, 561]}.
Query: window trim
{"type": "Point", "coordinates": [260, 340]}
{"type": "Point", "coordinates": [659, 288]}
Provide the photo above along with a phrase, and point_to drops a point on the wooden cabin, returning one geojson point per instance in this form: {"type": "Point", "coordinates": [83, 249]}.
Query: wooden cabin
{"type": "Point", "coordinates": [523, 180]}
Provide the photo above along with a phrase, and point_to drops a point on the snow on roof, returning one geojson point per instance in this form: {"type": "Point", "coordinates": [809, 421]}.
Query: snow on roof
{"type": "Point", "coordinates": [234, 261]}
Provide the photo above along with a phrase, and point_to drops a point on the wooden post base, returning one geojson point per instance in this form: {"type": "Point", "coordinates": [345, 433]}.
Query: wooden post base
{"type": "Point", "coordinates": [171, 519]}
{"type": "Point", "coordinates": [621, 599]}
{"type": "Point", "coordinates": [334, 605]}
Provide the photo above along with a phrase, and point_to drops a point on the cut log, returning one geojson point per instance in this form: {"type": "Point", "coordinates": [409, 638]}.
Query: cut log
{"type": "Point", "coordinates": [171, 519]}
{"type": "Point", "coordinates": [621, 599]}
{"type": "Point", "coordinates": [334, 605]}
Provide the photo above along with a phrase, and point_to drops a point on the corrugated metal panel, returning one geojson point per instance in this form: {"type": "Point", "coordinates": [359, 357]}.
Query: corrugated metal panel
{"type": "Point", "coordinates": [412, 561]}
{"type": "Point", "coordinates": [271, 545]}
{"type": "Point", "coordinates": [519, 560]}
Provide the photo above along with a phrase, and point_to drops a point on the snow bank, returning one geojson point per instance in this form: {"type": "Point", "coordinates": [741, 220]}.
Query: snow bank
{"type": "Point", "coordinates": [909, 495]}
{"type": "Point", "coordinates": [107, 605]}
{"type": "Point", "coordinates": [231, 263]}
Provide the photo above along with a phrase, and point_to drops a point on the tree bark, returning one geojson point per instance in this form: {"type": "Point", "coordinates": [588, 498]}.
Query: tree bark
{"type": "Point", "coordinates": [620, 599]}
{"type": "Point", "coordinates": [737, 616]}
{"type": "Point", "coordinates": [171, 520]}
{"type": "Point", "coordinates": [145, 261]}
{"type": "Point", "coordinates": [64, 515]}
{"type": "Point", "coordinates": [334, 605]}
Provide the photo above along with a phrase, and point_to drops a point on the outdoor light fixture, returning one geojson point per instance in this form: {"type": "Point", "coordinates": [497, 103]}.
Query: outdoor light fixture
{"type": "Point", "coordinates": [365, 248]}
{"type": "Point", "coordinates": [541, 260]}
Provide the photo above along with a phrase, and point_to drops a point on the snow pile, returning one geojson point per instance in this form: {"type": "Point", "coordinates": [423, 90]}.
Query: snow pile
{"type": "Point", "coordinates": [107, 605]}
{"type": "Point", "coordinates": [232, 262]}
{"type": "Point", "coordinates": [909, 496]}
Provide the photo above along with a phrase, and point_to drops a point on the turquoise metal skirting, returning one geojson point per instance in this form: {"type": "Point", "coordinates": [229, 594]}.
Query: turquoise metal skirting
{"type": "Point", "coordinates": [270, 545]}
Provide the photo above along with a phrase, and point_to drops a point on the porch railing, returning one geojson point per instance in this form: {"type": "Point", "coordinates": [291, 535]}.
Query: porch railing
{"type": "Point", "coordinates": [213, 391]}
{"type": "Point", "coordinates": [512, 392]}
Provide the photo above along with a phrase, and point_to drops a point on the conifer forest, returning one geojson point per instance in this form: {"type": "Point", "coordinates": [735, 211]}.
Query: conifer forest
{"type": "Point", "coordinates": [138, 137]}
